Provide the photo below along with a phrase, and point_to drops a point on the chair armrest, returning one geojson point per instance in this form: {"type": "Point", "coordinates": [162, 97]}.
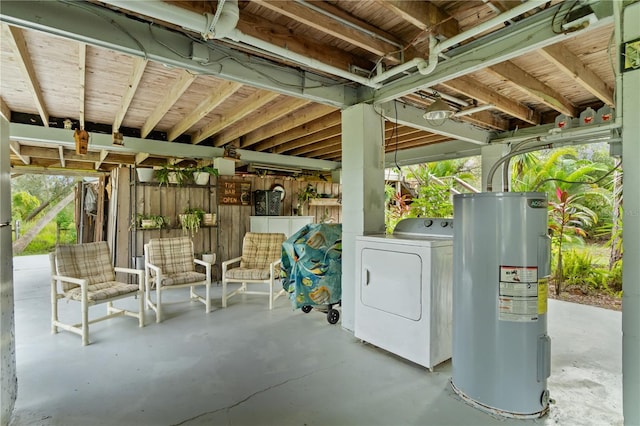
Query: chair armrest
{"type": "Point", "coordinates": [78, 281]}
{"type": "Point", "coordinates": [206, 265]}
{"type": "Point", "coordinates": [138, 272]}
{"type": "Point", "coordinates": [272, 266]}
{"type": "Point", "coordinates": [231, 261]}
{"type": "Point", "coordinates": [200, 262]}
{"type": "Point", "coordinates": [157, 269]}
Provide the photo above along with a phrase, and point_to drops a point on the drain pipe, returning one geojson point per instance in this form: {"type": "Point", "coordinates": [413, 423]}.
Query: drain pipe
{"type": "Point", "coordinates": [225, 27]}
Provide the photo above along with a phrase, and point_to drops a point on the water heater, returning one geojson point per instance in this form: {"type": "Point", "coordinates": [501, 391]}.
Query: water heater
{"type": "Point", "coordinates": [501, 353]}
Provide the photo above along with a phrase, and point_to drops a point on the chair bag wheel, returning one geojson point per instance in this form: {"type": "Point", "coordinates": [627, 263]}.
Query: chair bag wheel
{"type": "Point", "coordinates": [333, 316]}
{"type": "Point", "coordinates": [307, 308]}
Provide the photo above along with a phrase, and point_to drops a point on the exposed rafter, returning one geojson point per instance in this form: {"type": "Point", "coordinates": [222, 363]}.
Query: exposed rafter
{"type": "Point", "coordinates": [17, 151]}
{"type": "Point", "coordinates": [424, 15]}
{"type": "Point", "coordinates": [103, 156]}
{"type": "Point", "coordinates": [484, 94]}
{"type": "Point", "coordinates": [216, 98]}
{"type": "Point", "coordinates": [571, 65]}
{"type": "Point", "coordinates": [82, 71]}
{"type": "Point", "coordinates": [331, 26]}
{"type": "Point", "coordinates": [137, 71]}
{"type": "Point", "coordinates": [21, 52]}
{"type": "Point", "coordinates": [250, 105]}
{"type": "Point", "coordinates": [61, 156]}
{"type": "Point", "coordinates": [5, 110]}
{"type": "Point", "coordinates": [534, 88]}
{"type": "Point", "coordinates": [293, 125]}
{"type": "Point", "coordinates": [263, 119]}
{"type": "Point", "coordinates": [177, 89]}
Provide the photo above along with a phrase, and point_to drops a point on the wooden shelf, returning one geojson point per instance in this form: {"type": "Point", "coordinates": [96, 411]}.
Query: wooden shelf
{"type": "Point", "coordinates": [325, 202]}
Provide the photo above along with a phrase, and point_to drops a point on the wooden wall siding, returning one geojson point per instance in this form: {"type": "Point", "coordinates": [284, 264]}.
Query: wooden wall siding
{"type": "Point", "coordinates": [233, 221]}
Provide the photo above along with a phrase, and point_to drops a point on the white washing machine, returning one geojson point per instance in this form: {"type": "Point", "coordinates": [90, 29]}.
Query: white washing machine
{"type": "Point", "coordinates": [404, 290]}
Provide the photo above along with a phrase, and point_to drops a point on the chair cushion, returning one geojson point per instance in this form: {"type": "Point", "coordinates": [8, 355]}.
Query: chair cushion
{"type": "Point", "coordinates": [90, 261]}
{"type": "Point", "coordinates": [183, 278]}
{"type": "Point", "coordinates": [101, 291]}
{"type": "Point", "coordinates": [249, 274]}
{"type": "Point", "coordinates": [261, 249]}
{"type": "Point", "coordinates": [173, 255]}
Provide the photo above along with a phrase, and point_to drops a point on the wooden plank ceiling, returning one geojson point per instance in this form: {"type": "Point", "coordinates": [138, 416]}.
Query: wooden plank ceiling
{"type": "Point", "coordinates": [46, 79]}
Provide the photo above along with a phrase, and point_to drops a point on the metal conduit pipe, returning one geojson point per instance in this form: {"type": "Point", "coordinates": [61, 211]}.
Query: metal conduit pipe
{"type": "Point", "coordinates": [225, 27]}
{"type": "Point", "coordinates": [505, 16]}
{"type": "Point", "coordinates": [506, 158]}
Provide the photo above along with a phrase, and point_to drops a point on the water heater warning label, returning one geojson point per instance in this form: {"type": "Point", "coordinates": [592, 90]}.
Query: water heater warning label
{"type": "Point", "coordinates": [518, 295]}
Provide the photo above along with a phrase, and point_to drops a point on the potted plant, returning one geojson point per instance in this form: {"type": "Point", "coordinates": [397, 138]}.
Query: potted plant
{"type": "Point", "coordinates": [145, 174]}
{"type": "Point", "coordinates": [201, 174]}
{"type": "Point", "coordinates": [175, 175]}
{"type": "Point", "coordinates": [304, 195]}
{"type": "Point", "coordinates": [150, 221]}
{"type": "Point", "coordinates": [190, 220]}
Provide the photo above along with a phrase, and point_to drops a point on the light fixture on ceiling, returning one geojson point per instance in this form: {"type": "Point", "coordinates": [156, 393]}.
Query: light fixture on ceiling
{"type": "Point", "coordinates": [438, 111]}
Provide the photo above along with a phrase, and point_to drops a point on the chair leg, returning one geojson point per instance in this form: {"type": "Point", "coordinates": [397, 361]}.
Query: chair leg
{"type": "Point", "coordinates": [208, 297]}
{"type": "Point", "coordinates": [85, 322]}
{"type": "Point", "coordinates": [158, 303]}
{"type": "Point", "coordinates": [54, 308]}
{"type": "Point", "coordinates": [271, 294]}
{"type": "Point", "coordinates": [141, 305]}
{"type": "Point", "coordinates": [224, 292]}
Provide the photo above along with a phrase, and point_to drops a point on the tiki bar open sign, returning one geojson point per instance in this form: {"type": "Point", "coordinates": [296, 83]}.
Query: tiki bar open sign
{"type": "Point", "coordinates": [235, 192]}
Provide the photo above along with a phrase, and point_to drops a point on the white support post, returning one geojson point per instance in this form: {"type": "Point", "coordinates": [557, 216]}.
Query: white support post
{"type": "Point", "coordinates": [631, 229]}
{"type": "Point", "coordinates": [362, 192]}
{"type": "Point", "coordinates": [490, 155]}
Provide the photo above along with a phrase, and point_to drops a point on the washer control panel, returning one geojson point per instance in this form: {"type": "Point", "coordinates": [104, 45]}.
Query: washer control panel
{"type": "Point", "coordinates": [421, 226]}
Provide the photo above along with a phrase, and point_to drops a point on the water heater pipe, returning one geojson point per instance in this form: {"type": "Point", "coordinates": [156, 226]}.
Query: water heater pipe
{"type": "Point", "coordinates": [506, 158]}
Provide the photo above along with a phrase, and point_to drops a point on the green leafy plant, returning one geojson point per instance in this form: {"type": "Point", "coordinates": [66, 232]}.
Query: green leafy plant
{"type": "Point", "coordinates": [191, 220]}
{"type": "Point", "coordinates": [567, 219]}
{"type": "Point", "coordinates": [183, 175]}
{"type": "Point", "coordinates": [150, 221]}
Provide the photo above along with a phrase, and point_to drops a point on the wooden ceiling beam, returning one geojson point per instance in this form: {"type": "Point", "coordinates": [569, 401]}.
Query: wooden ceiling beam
{"type": "Point", "coordinates": [82, 74]}
{"type": "Point", "coordinates": [70, 155]}
{"type": "Point", "coordinates": [265, 117]}
{"type": "Point", "coordinates": [137, 71]}
{"type": "Point", "coordinates": [5, 111]}
{"type": "Point", "coordinates": [252, 103]}
{"type": "Point", "coordinates": [424, 15]}
{"type": "Point", "coordinates": [16, 148]}
{"type": "Point", "coordinates": [293, 126]}
{"type": "Point", "coordinates": [329, 146]}
{"type": "Point", "coordinates": [103, 156]}
{"type": "Point", "coordinates": [23, 60]}
{"type": "Point", "coordinates": [571, 65]}
{"type": "Point", "coordinates": [469, 87]}
{"type": "Point", "coordinates": [309, 139]}
{"type": "Point", "coordinates": [177, 89]}
{"type": "Point", "coordinates": [211, 102]}
{"type": "Point", "coordinates": [330, 26]}
{"type": "Point", "coordinates": [534, 87]}
{"type": "Point", "coordinates": [61, 156]}
{"type": "Point", "coordinates": [281, 36]}
{"type": "Point", "coordinates": [140, 157]}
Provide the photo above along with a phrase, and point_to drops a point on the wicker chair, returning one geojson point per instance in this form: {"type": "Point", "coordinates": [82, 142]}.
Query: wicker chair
{"type": "Point", "coordinates": [170, 264]}
{"type": "Point", "coordinates": [259, 263]}
{"type": "Point", "coordinates": [86, 275]}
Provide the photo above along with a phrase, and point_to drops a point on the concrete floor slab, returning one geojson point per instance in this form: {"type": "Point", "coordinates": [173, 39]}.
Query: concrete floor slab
{"type": "Point", "coordinates": [246, 365]}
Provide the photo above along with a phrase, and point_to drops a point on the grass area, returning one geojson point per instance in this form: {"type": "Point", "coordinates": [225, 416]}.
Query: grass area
{"type": "Point", "coordinates": [45, 241]}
